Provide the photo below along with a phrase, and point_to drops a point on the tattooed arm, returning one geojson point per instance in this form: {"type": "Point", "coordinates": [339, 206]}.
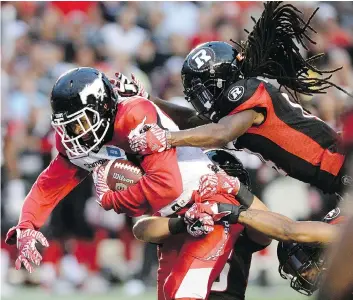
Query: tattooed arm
{"type": "Point", "coordinates": [282, 228]}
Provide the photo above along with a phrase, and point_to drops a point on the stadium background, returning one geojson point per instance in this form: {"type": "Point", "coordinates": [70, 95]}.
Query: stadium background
{"type": "Point", "coordinates": [92, 253]}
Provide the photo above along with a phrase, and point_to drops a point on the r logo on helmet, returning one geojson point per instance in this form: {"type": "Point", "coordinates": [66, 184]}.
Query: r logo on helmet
{"type": "Point", "coordinates": [333, 214]}
{"type": "Point", "coordinates": [236, 93]}
{"type": "Point", "coordinates": [200, 61]}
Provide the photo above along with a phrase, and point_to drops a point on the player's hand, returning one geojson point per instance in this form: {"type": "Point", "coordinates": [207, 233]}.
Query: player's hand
{"type": "Point", "coordinates": [219, 183]}
{"type": "Point", "coordinates": [197, 210]}
{"type": "Point", "coordinates": [199, 219]}
{"type": "Point", "coordinates": [217, 211]}
{"type": "Point", "coordinates": [150, 139]}
{"type": "Point", "coordinates": [203, 225]}
{"type": "Point", "coordinates": [99, 183]}
{"type": "Point", "coordinates": [26, 245]}
{"type": "Point", "coordinates": [141, 91]}
{"type": "Point", "coordinates": [126, 87]}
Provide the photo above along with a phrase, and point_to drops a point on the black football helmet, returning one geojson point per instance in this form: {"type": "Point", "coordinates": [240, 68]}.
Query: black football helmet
{"type": "Point", "coordinates": [228, 162]}
{"type": "Point", "coordinates": [302, 264]}
{"type": "Point", "coordinates": [207, 71]}
{"type": "Point", "coordinates": [78, 93]}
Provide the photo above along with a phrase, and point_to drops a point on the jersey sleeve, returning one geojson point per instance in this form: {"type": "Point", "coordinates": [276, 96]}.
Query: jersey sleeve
{"type": "Point", "coordinates": [161, 183]}
{"type": "Point", "coordinates": [243, 95]}
{"type": "Point", "coordinates": [52, 185]}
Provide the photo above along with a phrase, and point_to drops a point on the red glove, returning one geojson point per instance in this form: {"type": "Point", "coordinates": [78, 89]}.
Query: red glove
{"type": "Point", "coordinates": [128, 88]}
{"type": "Point", "coordinates": [219, 183]}
{"type": "Point", "coordinates": [26, 240]}
{"type": "Point", "coordinates": [197, 210]}
{"type": "Point", "coordinates": [149, 139]}
{"type": "Point", "coordinates": [203, 225]}
{"type": "Point", "coordinates": [99, 183]}
{"type": "Point", "coordinates": [141, 91]}
{"type": "Point", "coordinates": [199, 219]}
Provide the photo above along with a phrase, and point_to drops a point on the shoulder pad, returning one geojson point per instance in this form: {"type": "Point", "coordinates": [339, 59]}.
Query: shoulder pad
{"type": "Point", "coordinates": [237, 94]}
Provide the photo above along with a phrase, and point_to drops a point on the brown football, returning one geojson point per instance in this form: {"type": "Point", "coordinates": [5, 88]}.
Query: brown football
{"type": "Point", "coordinates": [121, 173]}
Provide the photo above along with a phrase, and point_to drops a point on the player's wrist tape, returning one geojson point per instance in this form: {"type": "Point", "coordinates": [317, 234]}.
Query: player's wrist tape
{"type": "Point", "coordinates": [234, 211]}
{"type": "Point", "coordinates": [177, 225]}
{"type": "Point", "coordinates": [168, 137]}
{"type": "Point", "coordinates": [244, 196]}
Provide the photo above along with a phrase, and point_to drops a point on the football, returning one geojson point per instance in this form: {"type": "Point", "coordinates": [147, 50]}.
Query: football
{"type": "Point", "coordinates": [121, 173]}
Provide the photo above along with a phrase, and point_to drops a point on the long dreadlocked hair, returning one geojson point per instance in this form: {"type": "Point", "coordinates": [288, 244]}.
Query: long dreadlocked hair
{"type": "Point", "coordinates": [270, 51]}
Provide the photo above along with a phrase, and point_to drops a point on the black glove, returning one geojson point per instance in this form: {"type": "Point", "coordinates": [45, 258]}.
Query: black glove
{"type": "Point", "coordinates": [232, 210]}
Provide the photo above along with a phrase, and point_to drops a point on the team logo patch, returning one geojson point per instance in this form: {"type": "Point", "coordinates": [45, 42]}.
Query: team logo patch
{"type": "Point", "coordinates": [236, 93]}
{"type": "Point", "coordinates": [333, 214]}
{"type": "Point", "coordinates": [96, 88]}
{"type": "Point", "coordinates": [347, 180]}
{"type": "Point", "coordinates": [202, 59]}
{"type": "Point", "coordinates": [115, 152]}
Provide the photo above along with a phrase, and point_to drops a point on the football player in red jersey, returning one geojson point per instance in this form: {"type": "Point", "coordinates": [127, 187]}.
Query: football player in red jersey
{"type": "Point", "coordinates": [232, 281]}
{"type": "Point", "coordinates": [222, 85]}
{"type": "Point", "coordinates": [299, 251]}
{"type": "Point", "coordinates": [92, 126]}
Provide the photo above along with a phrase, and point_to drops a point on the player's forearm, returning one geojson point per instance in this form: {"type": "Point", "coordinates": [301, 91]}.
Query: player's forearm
{"type": "Point", "coordinates": [160, 185]}
{"type": "Point", "coordinates": [215, 134]}
{"type": "Point", "coordinates": [52, 185]}
{"type": "Point", "coordinates": [152, 229]}
{"type": "Point", "coordinates": [205, 136]}
{"type": "Point", "coordinates": [157, 229]}
{"type": "Point", "coordinates": [282, 228]}
{"type": "Point", "coordinates": [131, 201]}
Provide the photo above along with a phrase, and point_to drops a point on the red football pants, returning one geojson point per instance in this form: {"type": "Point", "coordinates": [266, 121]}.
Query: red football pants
{"type": "Point", "coordinates": [188, 266]}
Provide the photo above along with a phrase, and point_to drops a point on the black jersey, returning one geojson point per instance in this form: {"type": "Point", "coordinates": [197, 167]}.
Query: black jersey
{"type": "Point", "coordinates": [291, 140]}
{"type": "Point", "coordinates": [233, 281]}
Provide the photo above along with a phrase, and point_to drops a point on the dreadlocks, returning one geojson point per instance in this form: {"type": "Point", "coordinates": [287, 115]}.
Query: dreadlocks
{"type": "Point", "coordinates": [270, 51]}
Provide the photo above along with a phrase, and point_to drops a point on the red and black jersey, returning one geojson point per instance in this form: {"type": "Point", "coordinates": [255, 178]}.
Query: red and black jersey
{"type": "Point", "coordinates": [290, 139]}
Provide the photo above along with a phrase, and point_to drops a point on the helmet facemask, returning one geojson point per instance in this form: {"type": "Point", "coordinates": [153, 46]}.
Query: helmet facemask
{"type": "Point", "coordinates": [89, 136]}
{"type": "Point", "coordinates": [84, 107]}
{"type": "Point", "coordinates": [203, 96]}
{"type": "Point", "coordinates": [208, 71]}
{"type": "Point", "coordinates": [304, 268]}
{"type": "Point", "coordinates": [205, 93]}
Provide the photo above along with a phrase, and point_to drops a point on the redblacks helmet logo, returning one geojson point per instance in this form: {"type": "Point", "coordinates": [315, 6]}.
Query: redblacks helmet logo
{"type": "Point", "coordinates": [334, 217]}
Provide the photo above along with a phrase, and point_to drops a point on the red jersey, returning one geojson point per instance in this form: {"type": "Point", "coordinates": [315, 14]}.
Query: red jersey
{"type": "Point", "coordinates": [169, 181]}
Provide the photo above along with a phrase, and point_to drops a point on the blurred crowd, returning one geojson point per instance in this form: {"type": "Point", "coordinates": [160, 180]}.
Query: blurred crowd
{"type": "Point", "coordinates": [41, 40]}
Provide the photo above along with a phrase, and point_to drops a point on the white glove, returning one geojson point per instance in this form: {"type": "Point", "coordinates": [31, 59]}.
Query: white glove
{"type": "Point", "coordinates": [126, 88]}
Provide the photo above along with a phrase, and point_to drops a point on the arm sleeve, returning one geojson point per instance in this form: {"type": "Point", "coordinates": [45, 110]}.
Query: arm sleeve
{"type": "Point", "coordinates": [52, 185]}
{"type": "Point", "coordinates": [162, 181]}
